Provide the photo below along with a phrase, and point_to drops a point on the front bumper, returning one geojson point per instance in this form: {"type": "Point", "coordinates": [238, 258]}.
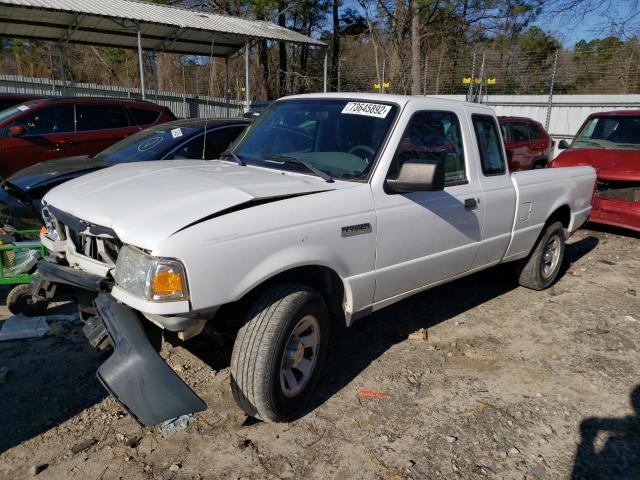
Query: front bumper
{"type": "Point", "coordinates": [135, 374]}
{"type": "Point", "coordinates": [616, 212]}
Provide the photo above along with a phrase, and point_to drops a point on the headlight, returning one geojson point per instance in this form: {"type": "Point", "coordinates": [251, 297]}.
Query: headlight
{"type": "Point", "coordinates": [50, 224]}
{"type": "Point", "coordinates": [151, 278]}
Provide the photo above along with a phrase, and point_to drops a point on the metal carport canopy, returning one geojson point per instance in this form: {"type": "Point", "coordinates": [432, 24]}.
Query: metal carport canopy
{"type": "Point", "coordinates": [145, 26]}
{"type": "Point", "coordinates": [114, 23]}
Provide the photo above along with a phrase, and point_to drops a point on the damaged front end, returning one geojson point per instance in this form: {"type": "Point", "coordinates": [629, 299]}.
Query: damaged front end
{"type": "Point", "coordinates": [82, 257]}
{"type": "Point", "coordinates": [135, 373]}
{"type": "Point", "coordinates": [616, 202]}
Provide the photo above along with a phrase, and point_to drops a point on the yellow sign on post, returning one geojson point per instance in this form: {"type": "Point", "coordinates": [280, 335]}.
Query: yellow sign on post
{"type": "Point", "coordinates": [377, 85]}
{"type": "Point", "coordinates": [491, 81]}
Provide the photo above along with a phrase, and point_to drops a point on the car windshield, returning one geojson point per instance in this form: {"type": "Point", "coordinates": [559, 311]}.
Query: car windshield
{"type": "Point", "coordinates": [150, 144]}
{"type": "Point", "coordinates": [611, 132]}
{"type": "Point", "coordinates": [338, 137]}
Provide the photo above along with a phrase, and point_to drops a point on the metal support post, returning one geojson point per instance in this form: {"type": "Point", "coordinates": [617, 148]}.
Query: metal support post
{"type": "Point", "coordinates": [553, 81]}
{"type": "Point", "coordinates": [226, 84]}
{"type": "Point", "coordinates": [141, 64]}
{"type": "Point", "coordinates": [326, 62]}
{"type": "Point", "coordinates": [247, 61]}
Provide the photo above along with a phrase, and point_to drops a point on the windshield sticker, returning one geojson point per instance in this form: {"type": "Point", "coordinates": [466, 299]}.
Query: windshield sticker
{"type": "Point", "coordinates": [176, 133]}
{"type": "Point", "coordinates": [149, 144]}
{"type": "Point", "coordinates": [23, 108]}
{"type": "Point", "coordinates": [367, 109]}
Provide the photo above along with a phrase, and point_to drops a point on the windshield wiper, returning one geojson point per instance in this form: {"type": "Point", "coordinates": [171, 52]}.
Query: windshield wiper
{"type": "Point", "coordinates": [236, 158]}
{"type": "Point", "coordinates": [289, 159]}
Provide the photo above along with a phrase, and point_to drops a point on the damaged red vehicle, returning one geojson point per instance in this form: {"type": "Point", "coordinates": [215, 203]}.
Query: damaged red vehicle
{"type": "Point", "coordinates": [610, 143]}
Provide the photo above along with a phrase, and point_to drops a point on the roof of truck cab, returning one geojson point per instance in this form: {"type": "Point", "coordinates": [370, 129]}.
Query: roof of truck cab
{"type": "Point", "coordinates": [401, 100]}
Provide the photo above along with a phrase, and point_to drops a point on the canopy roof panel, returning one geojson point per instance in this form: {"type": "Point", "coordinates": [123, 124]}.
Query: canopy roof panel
{"type": "Point", "coordinates": [114, 23]}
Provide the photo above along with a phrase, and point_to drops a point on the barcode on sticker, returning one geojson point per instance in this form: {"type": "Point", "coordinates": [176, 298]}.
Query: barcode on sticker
{"type": "Point", "coordinates": [368, 109]}
{"type": "Point", "coordinates": [176, 133]}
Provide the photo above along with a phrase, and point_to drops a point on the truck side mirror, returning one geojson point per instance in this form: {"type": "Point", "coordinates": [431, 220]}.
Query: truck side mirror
{"type": "Point", "coordinates": [418, 176]}
{"type": "Point", "coordinates": [563, 145]}
{"type": "Point", "coordinates": [16, 131]}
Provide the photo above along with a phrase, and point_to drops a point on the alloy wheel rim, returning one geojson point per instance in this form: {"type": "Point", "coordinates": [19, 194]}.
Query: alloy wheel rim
{"type": "Point", "coordinates": [550, 256]}
{"type": "Point", "coordinates": [300, 356]}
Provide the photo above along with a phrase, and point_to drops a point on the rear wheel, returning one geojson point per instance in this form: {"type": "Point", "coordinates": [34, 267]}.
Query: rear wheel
{"type": "Point", "coordinates": [279, 353]}
{"type": "Point", "coordinates": [540, 269]}
{"type": "Point", "coordinates": [21, 300]}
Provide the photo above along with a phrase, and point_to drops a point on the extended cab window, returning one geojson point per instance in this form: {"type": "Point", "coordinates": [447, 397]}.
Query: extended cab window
{"type": "Point", "coordinates": [434, 137]}
{"type": "Point", "coordinates": [48, 121]}
{"type": "Point", "coordinates": [489, 145]}
{"type": "Point", "coordinates": [101, 117]}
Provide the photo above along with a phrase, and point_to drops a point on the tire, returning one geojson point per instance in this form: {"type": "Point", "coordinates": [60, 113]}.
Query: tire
{"type": "Point", "coordinates": [22, 300]}
{"type": "Point", "coordinates": [540, 269]}
{"type": "Point", "coordinates": [258, 381]}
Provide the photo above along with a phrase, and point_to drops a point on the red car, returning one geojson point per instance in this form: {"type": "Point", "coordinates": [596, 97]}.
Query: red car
{"type": "Point", "coordinates": [527, 143]}
{"type": "Point", "coordinates": [610, 143]}
{"type": "Point", "coordinates": [50, 128]}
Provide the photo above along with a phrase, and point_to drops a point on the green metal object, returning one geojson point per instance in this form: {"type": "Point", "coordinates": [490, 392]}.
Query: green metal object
{"type": "Point", "coordinates": [8, 253]}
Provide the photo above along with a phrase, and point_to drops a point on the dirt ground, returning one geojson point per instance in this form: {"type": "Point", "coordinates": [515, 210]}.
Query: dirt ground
{"type": "Point", "coordinates": [511, 383]}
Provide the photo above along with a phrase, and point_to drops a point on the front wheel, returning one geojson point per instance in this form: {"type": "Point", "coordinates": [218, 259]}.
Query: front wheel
{"type": "Point", "coordinates": [279, 353]}
{"type": "Point", "coordinates": [540, 269]}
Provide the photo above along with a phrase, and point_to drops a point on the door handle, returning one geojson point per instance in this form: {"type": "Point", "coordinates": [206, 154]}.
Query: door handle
{"type": "Point", "coordinates": [470, 203]}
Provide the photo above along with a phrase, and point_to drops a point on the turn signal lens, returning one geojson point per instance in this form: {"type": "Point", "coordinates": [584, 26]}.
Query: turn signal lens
{"type": "Point", "coordinates": [168, 283]}
{"type": "Point", "coordinates": [43, 230]}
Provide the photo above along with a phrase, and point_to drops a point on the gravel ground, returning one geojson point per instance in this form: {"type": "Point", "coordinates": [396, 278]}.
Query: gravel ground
{"type": "Point", "coordinates": [496, 382]}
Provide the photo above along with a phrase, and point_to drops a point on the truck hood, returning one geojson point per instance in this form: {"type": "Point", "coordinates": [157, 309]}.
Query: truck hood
{"type": "Point", "coordinates": [144, 203]}
{"type": "Point", "coordinates": [609, 164]}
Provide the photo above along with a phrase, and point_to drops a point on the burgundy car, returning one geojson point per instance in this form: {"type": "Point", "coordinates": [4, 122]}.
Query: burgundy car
{"type": "Point", "coordinates": [527, 143]}
{"type": "Point", "coordinates": [610, 143]}
{"type": "Point", "coordinates": [50, 128]}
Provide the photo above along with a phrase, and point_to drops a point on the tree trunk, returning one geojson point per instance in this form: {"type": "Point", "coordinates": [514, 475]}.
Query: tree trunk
{"type": "Point", "coordinates": [416, 57]}
{"type": "Point", "coordinates": [282, 74]}
{"type": "Point", "coordinates": [335, 58]}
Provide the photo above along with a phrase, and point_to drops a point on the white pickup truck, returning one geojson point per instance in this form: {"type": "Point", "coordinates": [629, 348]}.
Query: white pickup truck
{"type": "Point", "coordinates": [329, 206]}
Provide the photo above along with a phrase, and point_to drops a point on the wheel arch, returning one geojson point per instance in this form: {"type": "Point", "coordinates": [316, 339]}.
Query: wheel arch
{"type": "Point", "coordinates": [561, 214]}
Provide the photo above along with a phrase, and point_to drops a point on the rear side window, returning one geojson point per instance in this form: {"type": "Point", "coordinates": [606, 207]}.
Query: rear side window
{"type": "Point", "coordinates": [433, 136]}
{"type": "Point", "coordinates": [101, 117]}
{"type": "Point", "coordinates": [491, 155]}
{"type": "Point", "coordinates": [144, 116]}
{"type": "Point", "coordinates": [520, 132]}
{"type": "Point", "coordinates": [48, 121]}
{"type": "Point", "coordinates": [534, 132]}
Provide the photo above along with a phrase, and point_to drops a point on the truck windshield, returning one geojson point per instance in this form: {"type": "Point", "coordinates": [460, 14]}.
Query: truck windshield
{"type": "Point", "coordinates": [610, 132]}
{"type": "Point", "coordinates": [339, 137]}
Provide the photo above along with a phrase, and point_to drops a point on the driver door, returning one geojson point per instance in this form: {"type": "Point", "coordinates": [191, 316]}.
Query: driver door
{"type": "Point", "coordinates": [426, 237]}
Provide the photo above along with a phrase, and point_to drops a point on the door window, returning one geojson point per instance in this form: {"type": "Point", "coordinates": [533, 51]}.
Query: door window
{"type": "Point", "coordinates": [491, 155]}
{"type": "Point", "coordinates": [144, 116]}
{"type": "Point", "coordinates": [534, 132]}
{"type": "Point", "coordinates": [48, 121]}
{"type": "Point", "coordinates": [434, 137]}
{"type": "Point", "coordinates": [101, 117]}
{"type": "Point", "coordinates": [520, 132]}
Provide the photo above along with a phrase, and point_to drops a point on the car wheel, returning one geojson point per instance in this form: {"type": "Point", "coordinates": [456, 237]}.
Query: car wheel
{"type": "Point", "coordinates": [279, 352]}
{"type": "Point", "coordinates": [21, 300]}
{"type": "Point", "coordinates": [540, 269]}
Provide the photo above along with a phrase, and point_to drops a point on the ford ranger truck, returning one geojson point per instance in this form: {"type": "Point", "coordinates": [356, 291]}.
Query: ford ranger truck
{"type": "Point", "coordinates": [330, 206]}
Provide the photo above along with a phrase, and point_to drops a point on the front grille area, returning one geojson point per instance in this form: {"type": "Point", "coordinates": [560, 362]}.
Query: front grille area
{"type": "Point", "coordinates": [619, 190]}
{"type": "Point", "coordinates": [101, 248]}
